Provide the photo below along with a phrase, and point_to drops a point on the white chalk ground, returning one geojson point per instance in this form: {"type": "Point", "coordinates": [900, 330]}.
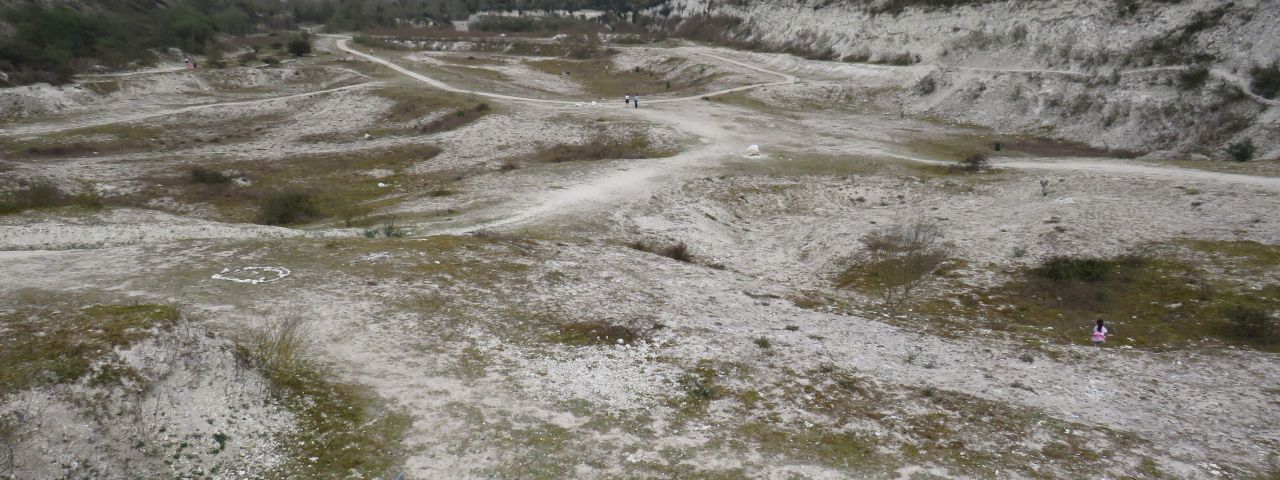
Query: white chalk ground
{"type": "Point", "coordinates": [453, 327]}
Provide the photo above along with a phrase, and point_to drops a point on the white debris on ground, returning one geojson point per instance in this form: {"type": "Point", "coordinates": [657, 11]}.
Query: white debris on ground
{"type": "Point", "coordinates": [251, 276]}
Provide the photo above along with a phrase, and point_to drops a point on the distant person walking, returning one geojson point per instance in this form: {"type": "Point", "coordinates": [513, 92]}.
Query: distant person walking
{"type": "Point", "coordinates": [1099, 334]}
{"type": "Point", "coordinates": [635, 101]}
{"type": "Point", "coordinates": [627, 99]}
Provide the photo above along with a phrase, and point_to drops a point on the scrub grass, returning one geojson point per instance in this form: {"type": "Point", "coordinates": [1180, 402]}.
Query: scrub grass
{"type": "Point", "coordinates": [47, 346]}
{"type": "Point", "coordinates": [601, 147]}
{"type": "Point", "coordinates": [1148, 302]}
{"type": "Point", "coordinates": [344, 430]}
{"type": "Point", "coordinates": [308, 188]}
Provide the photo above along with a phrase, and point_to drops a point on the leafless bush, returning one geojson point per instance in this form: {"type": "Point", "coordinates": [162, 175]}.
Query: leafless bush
{"type": "Point", "coordinates": [900, 258]}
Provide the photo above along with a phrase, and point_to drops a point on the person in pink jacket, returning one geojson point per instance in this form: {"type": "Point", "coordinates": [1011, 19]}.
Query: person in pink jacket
{"type": "Point", "coordinates": [1099, 334]}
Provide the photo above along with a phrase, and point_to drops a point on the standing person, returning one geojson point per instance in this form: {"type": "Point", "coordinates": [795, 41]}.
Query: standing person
{"type": "Point", "coordinates": [635, 101]}
{"type": "Point", "coordinates": [1099, 334]}
{"type": "Point", "coordinates": [627, 99]}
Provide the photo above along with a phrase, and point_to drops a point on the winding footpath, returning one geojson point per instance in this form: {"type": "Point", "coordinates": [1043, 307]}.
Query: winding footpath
{"type": "Point", "coordinates": [343, 44]}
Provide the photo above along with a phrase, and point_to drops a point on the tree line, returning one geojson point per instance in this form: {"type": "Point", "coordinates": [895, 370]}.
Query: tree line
{"type": "Point", "coordinates": [42, 42]}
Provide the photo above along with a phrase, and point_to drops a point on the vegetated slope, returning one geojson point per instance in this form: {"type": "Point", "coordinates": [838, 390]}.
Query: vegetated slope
{"type": "Point", "coordinates": [50, 41]}
{"type": "Point", "coordinates": [1188, 75]}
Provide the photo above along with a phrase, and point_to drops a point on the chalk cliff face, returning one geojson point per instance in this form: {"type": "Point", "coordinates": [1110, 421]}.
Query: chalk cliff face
{"type": "Point", "coordinates": [1126, 74]}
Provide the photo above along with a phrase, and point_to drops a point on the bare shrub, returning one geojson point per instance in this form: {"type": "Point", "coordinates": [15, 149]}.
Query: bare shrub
{"type": "Point", "coordinates": [678, 251]}
{"type": "Point", "coordinates": [926, 85]}
{"type": "Point", "coordinates": [899, 260]}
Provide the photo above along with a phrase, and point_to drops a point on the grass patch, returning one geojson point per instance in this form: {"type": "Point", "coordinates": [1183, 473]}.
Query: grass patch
{"type": "Point", "coordinates": [208, 177]}
{"type": "Point", "coordinates": [1239, 254]}
{"type": "Point", "coordinates": [344, 430]}
{"type": "Point", "coordinates": [818, 445]}
{"type": "Point", "coordinates": [116, 139]}
{"type": "Point", "coordinates": [412, 103]}
{"type": "Point", "coordinates": [594, 333]}
{"type": "Point", "coordinates": [699, 388]}
{"type": "Point", "coordinates": [286, 208]}
{"type": "Point", "coordinates": [43, 194]}
{"type": "Point", "coordinates": [100, 140]}
{"type": "Point", "coordinates": [1147, 302]}
{"type": "Point", "coordinates": [454, 119]}
{"type": "Point", "coordinates": [601, 147]}
{"type": "Point", "coordinates": [48, 347]}
{"type": "Point", "coordinates": [309, 188]}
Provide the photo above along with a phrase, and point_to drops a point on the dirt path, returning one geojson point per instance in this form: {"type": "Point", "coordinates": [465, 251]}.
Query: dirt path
{"type": "Point", "coordinates": [342, 44]}
{"type": "Point", "coordinates": [716, 143]}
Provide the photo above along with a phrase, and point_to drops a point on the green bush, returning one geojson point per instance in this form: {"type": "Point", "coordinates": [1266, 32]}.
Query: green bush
{"type": "Point", "coordinates": [287, 208]}
{"type": "Point", "coordinates": [44, 194]}
{"type": "Point", "coordinates": [1241, 151]}
{"type": "Point", "coordinates": [299, 46]}
{"type": "Point", "coordinates": [1062, 269]}
{"type": "Point", "coordinates": [1193, 78]}
{"type": "Point", "coordinates": [208, 177]}
{"type": "Point", "coordinates": [1250, 323]}
{"type": "Point", "coordinates": [1266, 80]}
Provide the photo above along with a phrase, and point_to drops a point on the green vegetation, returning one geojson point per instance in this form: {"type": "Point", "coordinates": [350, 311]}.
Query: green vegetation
{"type": "Point", "coordinates": [286, 208]}
{"type": "Point", "coordinates": [601, 147]}
{"type": "Point", "coordinates": [106, 139]}
{"type": "Point", "coordinates": [300, 45]}
{"type": "Point", "coordinates": [454, 120]}
{"type": "Point", "coordinates": [44, 346]}
{"type": "Point", "coordinates": [208, 177]}
{"type": "Point", "coordinates": [1179, 46]}
{"type": "Point", "coordinates": [594, 333]}
{"type": "Point", "coordinates": [343, 430]}
{"type": "Point", "coordinates": [309, 188]}
{"type": "Point", "coordinates": [44, 194]}
{"type": "Point", "coordinates": [1147, 301]}
{"type": "Point", "coordinates": [1071, 269]}
{"type": "Point", "coordinates": [899, 260]}
{"type": "Point", "coordinates": [1266, 80]}
{"type": "Point", "coordinates": [49, 44]}
{"type": "Point", "coordinates": [1241, 151]}
{"type": "Point", "coordinates": [1193, 78]}
{"type": "Point", "coordinates": [533, 24]}
{"type": "Point", "coordinates": [409, 104]}
{"type": "Point", "coordinates": [699, 389]}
